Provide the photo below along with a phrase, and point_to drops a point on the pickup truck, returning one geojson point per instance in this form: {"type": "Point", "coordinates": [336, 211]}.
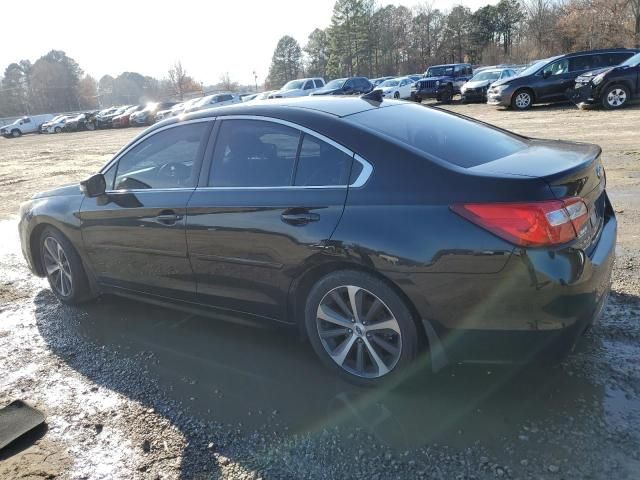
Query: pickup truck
{"type": "Point", "coordinates": [30, 124]}
{"type": "Point", "coordinates": [442, 82]}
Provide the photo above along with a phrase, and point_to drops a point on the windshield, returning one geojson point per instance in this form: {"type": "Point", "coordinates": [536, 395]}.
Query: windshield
{"type": "Point", "coordinates": [631, 62]}
{"type": "Point", "coordinates": [337, 83]}
{"type": "Point", "coordinates": [293, 85]}
{"type": "Point", "coordinates": [390, 83]}
{"type": "Point", "coordinates": [534, 67]}
{"type": "Point", "coordinates": [439, 71]}
{"type": "Point", "coordinates": [490, 75]}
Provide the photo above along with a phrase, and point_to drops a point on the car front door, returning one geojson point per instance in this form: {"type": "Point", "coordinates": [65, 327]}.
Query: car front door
{"type": "Point", "coordinates": [553, 81]}
{"type": "Point", "coordinates": [135, 233]}
{"type": "Point", "coordinates": [272, 197]}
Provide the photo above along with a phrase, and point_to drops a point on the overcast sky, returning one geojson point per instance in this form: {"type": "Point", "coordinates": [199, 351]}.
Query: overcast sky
{"type": "Point", "coordinates": [209, 37]}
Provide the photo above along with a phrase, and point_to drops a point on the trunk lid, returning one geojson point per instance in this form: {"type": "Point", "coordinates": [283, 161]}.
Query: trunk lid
{"type": "Point", "coordinates": [570, 169]}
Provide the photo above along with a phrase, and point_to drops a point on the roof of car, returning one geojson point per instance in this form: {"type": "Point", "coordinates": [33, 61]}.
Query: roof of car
{"type": "Point", "coordinates": [337, 107]}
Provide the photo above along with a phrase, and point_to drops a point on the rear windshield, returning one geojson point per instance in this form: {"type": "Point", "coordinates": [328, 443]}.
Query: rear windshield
{"type": "Point", "coordinates": [439, 134]}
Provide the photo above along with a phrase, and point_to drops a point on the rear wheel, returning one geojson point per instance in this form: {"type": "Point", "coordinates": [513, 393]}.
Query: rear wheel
{"type": "Point", "coordinates": [615, 96]}
{"type": "Point", "coordinates": [360, 327]}
{"type": "Point", "coordinates": [63, 268]}
{"type": "Point", "coordinates": [522, 100]}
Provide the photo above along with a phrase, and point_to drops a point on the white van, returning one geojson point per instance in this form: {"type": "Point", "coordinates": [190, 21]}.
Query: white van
{"type": "Point", "coordinates": [24, 125]}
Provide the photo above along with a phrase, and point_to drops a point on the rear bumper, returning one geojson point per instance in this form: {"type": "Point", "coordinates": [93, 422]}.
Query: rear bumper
{"type": "Point", "coordinates": [538, 305]}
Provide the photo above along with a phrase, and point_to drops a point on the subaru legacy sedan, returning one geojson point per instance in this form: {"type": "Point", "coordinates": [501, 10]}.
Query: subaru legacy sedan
{"type": "Point", "coordinates": [384, 231]}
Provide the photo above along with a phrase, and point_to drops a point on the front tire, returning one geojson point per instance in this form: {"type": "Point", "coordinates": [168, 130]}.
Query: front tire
{"type": "Point", "coordinates": [615, 96]}
{"type": "Point", "coordinates": [63, 268]}
{"type": "Point", "coordinates": [522, 100]}
{"type": "Point", "coordinates": [57, 130]}
{"type": "Point", "coordinates": [396, 95]}
{"type": "Point", "coordinates": [360, 327]}
{"type": "Point", "coordinates": [15, 133]}
{"type": "Point", "coordinates": [446, 96]}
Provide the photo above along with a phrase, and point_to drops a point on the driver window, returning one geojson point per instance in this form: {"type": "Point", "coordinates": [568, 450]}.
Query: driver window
{"type": "Point", "coordinates": [557, 68]}
{"type": "Point", "coordinates": [167, 159]}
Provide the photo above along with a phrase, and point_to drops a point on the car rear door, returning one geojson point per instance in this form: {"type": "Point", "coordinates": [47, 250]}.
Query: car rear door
{"type": "Point", "coordinates": [267, 205]}
{"type": "Point", "coordinates": [135, 233]}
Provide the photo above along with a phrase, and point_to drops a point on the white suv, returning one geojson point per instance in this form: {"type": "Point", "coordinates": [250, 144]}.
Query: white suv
{"type": "Point", "coordinates": [299, 88]}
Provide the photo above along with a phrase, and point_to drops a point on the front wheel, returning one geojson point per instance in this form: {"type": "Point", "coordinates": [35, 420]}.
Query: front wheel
{"type": "Point", "coordinates": [522, 100]}
{"type": "Point", "coordinates": [396, 95]}
{"type": "Point", "coordinates": [446, 96]}
{"type": "Point", "coordinates": [63, 268]}
{"type": "Point", "coordinates": [15, 133]}
{"type": "Point", "coordinates": [615, 96]}
{"type": "Point", "coordinates": [360, 327]}
{"type": "Point", "coordinates": [57, 130]}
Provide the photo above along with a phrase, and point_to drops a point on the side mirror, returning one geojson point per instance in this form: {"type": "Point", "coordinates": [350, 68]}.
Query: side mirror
{"type": "Point", "coordinates": [94, 186]}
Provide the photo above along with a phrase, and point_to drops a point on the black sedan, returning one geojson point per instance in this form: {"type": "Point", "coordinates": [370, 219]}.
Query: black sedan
{"type": "Point", "coordinates": [380, 230]}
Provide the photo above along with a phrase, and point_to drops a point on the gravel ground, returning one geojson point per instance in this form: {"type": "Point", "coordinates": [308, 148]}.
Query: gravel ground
{"type": "Point", "coordinates": [135, 391]}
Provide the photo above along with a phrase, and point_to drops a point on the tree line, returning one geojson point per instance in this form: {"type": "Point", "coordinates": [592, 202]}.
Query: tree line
{"type": "Point", "coordinates": [56, 83]}
{"type": "Point", "coordinates": [370, 40]}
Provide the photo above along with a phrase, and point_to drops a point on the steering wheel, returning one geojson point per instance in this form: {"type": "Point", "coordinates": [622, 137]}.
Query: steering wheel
{"type": "Point", "coordinates": [174, 171]}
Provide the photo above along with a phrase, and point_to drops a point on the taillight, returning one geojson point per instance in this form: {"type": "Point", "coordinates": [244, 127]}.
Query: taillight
{"type": "Point", "coordinates": [530, 224]}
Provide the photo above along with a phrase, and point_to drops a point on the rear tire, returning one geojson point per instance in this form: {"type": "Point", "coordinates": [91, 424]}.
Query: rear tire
{"type": "Point", "coordinates": [522, 99]}
{"type": "Point", "coordinates": [63, 268]}
{"type": "Point", "coordinates": [369, 347]}
{"type": "Point", "coordinates": [615, 96]}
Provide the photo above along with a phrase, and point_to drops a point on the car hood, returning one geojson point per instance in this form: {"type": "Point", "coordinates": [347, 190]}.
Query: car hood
{"type": "Point", "coordinates": [593, 73]}
{"type": "Point", "coordinates": [434, 78]}
{"type": "Point", "coordinates": [73, 189]}
{"type": "Point", "coordinates": [325, 91]}
{"type": "Point", "coordinates": [478, 84]}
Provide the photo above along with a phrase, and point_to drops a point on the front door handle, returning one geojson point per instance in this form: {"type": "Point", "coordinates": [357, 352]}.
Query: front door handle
{"type": "Point", "coordinates": [299, 217]}
{"type": "Point", "coordinates": [168, 217]}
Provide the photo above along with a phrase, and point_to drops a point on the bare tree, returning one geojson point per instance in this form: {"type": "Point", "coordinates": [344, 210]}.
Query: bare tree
{"type": "Point", "coordinates": [227, 84]}
{"type": "Point", "coordinates": [635, 10]}
{"type": "Point", "coordinates": [179, 79]}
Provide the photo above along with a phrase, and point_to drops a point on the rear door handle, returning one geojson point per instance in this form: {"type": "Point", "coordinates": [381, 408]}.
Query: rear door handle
{"type": "Point", "coordinates": [168, 217]}
{"type": "Point", "coordinates": [299, 218]}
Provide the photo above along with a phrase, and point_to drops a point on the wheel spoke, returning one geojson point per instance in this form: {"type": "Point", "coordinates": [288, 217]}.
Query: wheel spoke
{"type": "Point", "coordinates": [329, 315]}
{"type": "Point", "coordinates": [382, 367]}
{"type": "Point", "coordinates": [356, 301]}
{"type": "Point", "coordinates": [341, 352]}
{"type": "Point", "coordinates": [390, 324]}
{"type": "Point", "coordinates": [373, 310]}
{"type": "Point", "coordinates": [340, 302]}
{"type": "Point", "coordinates": [381, 342]}
{"type": "Point", "coordinates": [51, 249]}
{"type": "Point", "coordinates": [52, 268]}
{"type": "Point", "coordinates": [334, 332]}
{"type": "Point", "coordinates": [360, 356]}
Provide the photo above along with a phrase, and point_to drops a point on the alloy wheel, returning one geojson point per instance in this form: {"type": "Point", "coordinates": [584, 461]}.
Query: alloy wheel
{"type": "Point", "coordinates": [523, 100]}
{"type": "Point", "coordinates": [358, 331]}
{"type": "Point", "coordinates": [58, 267]}
{"type": "Point", "coordinates": [616, 97]}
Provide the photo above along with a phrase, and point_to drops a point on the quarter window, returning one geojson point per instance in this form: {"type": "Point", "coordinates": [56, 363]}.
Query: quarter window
{"type": "Point", "coordinates": [254, 153]}
{"type": "Point", "coordinates": [321, 164]}
{"type": "Point", "coordinates": [167, 159]}
{"type": "Point", "coordinates": [319, 83]}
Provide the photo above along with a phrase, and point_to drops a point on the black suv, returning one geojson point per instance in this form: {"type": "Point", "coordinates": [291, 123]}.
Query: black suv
{"type": "Point", "coordinates": [442, 82]}
{"type": "Point", "coordinates": [346, 86]}
{"type": "Point", "coordinates": [548, 80]}
{"type": "Point", "coordinates": [612, 87]}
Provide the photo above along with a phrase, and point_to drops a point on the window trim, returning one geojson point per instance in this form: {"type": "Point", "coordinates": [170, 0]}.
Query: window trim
{"type": "Point", "coordinates": [123, 151]}
{"type": "Point", "coordinates": [360, 181]}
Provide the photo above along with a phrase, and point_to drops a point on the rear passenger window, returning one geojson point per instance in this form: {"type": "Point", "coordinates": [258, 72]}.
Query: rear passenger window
{"type": "Point", "coordinates": [321, 164]}
{"type": "Point", "coordinates": [584, 62]}
{"type": "Point", "coordinates": [319, 83]}
{"type": "Point", "coordinates": [254, 153]}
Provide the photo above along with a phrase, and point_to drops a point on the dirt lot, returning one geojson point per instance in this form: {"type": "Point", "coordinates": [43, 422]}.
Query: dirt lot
{"type": "Point", "coordinates": [134, 391]}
